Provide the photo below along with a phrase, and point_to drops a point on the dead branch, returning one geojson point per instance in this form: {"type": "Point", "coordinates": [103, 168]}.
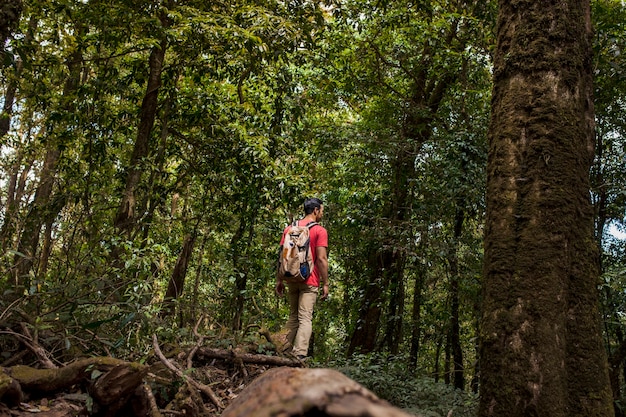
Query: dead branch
{"type": "Point", "coordinates": [248, 357]}
{"type": "Point", "coordinates": [153, 408]}
{"type": "Point", "coordinates": [198, 343]}
{"type": "Point", "coordinates": [33, 345]}
{"type": "Point", "coordinates": [268, 336]}
{"type": "Point", "coordinates": [197, 385]}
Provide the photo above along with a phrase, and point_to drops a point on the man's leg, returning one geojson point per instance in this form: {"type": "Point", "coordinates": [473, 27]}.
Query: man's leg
{"type": "Point", "coordinates": [293, 296]}
{"type": "Point", "coordinates": [308, 296]}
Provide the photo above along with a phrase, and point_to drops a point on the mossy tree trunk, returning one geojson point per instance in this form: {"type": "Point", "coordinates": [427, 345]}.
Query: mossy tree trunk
{"type": "Point", "coordinates": [542, 353]}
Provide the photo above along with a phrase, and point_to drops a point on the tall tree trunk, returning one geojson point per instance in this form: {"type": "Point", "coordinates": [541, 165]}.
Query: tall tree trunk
{"type": "Point", "coordinates": [447, 361]}
{"type": "Point", "coordinates": [393, 330]}
{"type": "Point", "coordinates": [38, 212]}
{"type": "Point", "coordinates": [15, 191]}
{"type": "Point", "coordinates": [193, 308]}
{"type": "Point", "coordinates": [455, 328]}
{"type": "Point", "coordinates": [416, 316]}
{"type": "Point", "coordinates": [386, 264]}
{"type": "Point", "coordinates": [125, 220]}
{"type": "Point", "coordinates": [153, 198]}
{"type": "Point", "coordinates": [241, 276]}
{"type": "Point", "coordinates": [9, 99]}
{"type": "Point", "coordinates": [417, 127]}
{"type": "Point", "coordinates": [437, 364]}
{"type": "Point", "coordinates": [43, 209]}
{"type": "Point", "coordinates": [542, 352]}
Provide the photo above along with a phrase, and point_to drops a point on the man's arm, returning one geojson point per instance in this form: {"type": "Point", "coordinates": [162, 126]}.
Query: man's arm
{"type": "Point", "coordinates": [321, 265]}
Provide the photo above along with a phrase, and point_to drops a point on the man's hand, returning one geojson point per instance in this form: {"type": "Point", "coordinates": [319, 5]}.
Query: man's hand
{"type": "Point", "coordinates": [280, 288]}
{"type": "Point", "coordinates": [325, 291]}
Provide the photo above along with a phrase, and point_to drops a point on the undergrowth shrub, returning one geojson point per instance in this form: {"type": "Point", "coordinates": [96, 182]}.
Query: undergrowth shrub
{"type": "Point", "coordinates": [390, 378]}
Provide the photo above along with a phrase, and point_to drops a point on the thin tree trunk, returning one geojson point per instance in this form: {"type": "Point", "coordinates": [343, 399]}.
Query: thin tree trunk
{"type": "Point", "coordinates": [416, 316]}
{"type": "Point", "coordinates": [447, 360]}
{"type": "Point", "coordinates": [9, 99]}
{"type": "Point", "coordinates": [416, 130]}
{"type": "Point", "coordinates": [393, 331]}
{"type": "Point", "coordinates": [239, 252]}
{"type": "Point", "coordinates": [177, 280]}
{"type": "Point", "coordinates": [41, 208]}
{"type": "Point", "coordinates": [154, 200]}
{"type": "Point", "coordinates": [386, 264]}
{"type": "Point", "coordinates": [193, 308]}
{"type": "Point", "coordinates": [126, 218]}
{"type": "Point", "coordinates": [15, 192]}
{"type": "Point", "coordinates": [364, 337]}
{"type": "Point", "coordinates": [455, 328]}
{"type": "Point", "coordinates": [437, 366]}
{"type": "Point", "coordinates": [29, 241]}
{"type": "Point", "coordinates": [55, 207]}
{"type": "Point", "coordinates": [542, 351]}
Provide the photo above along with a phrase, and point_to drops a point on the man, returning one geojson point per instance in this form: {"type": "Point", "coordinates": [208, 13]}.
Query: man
{"type": "Point", "coordinates": [302, 296]}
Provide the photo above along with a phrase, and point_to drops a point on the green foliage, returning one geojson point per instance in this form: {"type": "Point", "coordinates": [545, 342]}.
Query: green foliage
{"type": "Point", "coordinates": [608, 173]}
{"type": "Point", "coordinates": [388, 377]}
{"type": "Point", "coordinates": [261, 104]}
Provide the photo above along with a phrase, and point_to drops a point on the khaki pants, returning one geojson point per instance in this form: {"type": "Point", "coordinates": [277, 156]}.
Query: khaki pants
{"type": "Point", "coordinates": [302, 299]}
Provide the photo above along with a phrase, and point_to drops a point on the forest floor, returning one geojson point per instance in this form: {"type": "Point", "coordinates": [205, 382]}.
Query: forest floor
{"type": "Point", "coordinates": [194, 381]}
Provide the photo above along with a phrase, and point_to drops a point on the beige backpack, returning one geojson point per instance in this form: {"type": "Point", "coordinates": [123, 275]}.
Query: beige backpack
{"type": "Point", "coordinates": [295, 262]}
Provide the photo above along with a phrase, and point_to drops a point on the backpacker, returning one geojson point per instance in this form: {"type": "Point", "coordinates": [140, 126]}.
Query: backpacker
{"type": "Point", "coordinates": [295, 262]}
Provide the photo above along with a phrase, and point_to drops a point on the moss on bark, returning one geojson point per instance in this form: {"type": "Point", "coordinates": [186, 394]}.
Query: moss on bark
{"type": "Point", "coordinates": [541, 346]}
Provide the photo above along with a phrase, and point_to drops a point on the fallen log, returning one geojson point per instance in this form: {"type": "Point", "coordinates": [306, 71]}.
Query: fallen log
{"type": "Point", "coordinates": [110, 380]}
{"type": "Point", "coordinates": [52, 380]}
{"type": "Point", "coordinates": [223, 354]}
{"type": "Point", "coordinates": [292, 392]}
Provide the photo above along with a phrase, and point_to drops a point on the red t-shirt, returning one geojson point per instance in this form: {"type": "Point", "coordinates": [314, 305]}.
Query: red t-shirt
{"type": "Point", "coordinates": [318, 236]}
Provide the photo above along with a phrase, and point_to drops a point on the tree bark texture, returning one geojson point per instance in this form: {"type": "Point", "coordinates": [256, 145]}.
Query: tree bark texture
{"type": "Point", "coordinates": [307, 392]}
{"type": "Point", "coordinates": [542, 353]}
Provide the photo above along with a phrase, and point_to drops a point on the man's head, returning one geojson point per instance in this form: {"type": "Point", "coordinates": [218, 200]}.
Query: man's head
{"type": "Point", "coordinates": [314, 206]}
